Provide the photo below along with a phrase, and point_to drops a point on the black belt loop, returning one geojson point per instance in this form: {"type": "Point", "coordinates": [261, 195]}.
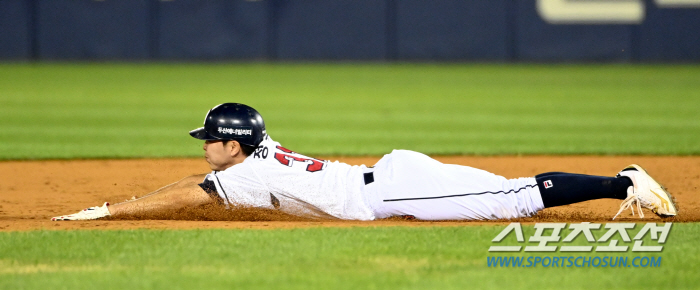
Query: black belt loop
{"type": "Point", "coordinates": [369, 177]}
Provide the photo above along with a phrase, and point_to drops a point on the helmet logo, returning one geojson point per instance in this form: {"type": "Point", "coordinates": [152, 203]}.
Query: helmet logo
{"type": "Point", "coordinates": [235, 131]}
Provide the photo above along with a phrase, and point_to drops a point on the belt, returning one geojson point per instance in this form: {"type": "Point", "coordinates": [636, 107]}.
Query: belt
{"type": "Point", "coordinates": [369, 177]}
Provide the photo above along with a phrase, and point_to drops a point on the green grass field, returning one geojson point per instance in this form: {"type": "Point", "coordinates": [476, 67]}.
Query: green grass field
{"type": "Point", "coordinates": [145, 110]}
{"type": "Point", "coordinates": [320, 258]}
{"type": "Point", "coordinates": [113, 110]}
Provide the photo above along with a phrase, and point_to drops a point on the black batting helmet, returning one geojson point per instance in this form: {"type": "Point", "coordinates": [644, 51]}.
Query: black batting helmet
{"type": "Point", "coordinates": [232, 121]}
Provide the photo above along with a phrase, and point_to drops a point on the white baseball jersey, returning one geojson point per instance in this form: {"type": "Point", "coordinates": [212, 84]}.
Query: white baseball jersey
{"type": "Point", "coordinates": [401, 183]}
{"type": "Point", "coordinates": [274, 177]}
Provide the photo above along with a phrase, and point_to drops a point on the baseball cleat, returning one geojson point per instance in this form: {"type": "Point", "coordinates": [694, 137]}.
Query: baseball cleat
{"type": "Point", "coordinates": [90, 213]}
{"type": "Point", "coordinates": [646, 193]}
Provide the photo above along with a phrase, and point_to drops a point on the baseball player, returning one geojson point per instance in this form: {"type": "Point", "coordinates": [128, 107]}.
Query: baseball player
{"type": "Point", "coordinates": [250, 169]}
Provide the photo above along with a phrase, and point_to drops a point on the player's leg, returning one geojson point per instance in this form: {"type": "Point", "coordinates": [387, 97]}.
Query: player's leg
{"type": "Point", "coordinates": [559, 188]}
{"type": "Point", "coordinates": [633, 184]}
{"type": "Point", "coordinates": [410, 183]}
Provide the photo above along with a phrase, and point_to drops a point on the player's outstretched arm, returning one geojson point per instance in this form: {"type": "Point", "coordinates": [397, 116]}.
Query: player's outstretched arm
{"type": "Point", "coordinates": [181, 194]}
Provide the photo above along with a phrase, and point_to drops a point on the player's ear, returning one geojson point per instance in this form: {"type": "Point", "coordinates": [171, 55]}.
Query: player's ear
{"type": "Point", "coordinates": [235, 148]}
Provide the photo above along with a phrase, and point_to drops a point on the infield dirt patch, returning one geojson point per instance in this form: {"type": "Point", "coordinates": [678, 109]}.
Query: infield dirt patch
{"type": "Point", "coordinates": [31, 192]}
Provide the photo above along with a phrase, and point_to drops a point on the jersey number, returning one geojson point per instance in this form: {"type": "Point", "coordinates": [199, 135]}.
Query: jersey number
{"type": "Point", "coordinates": [288, 159]}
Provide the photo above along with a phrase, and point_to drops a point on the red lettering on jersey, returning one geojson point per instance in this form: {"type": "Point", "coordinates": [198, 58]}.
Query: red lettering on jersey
{"type": "Point", "coordinates": [282, 158]}
{"type": "Point", "coordinates": [284, 149]}
{"type": "Point", "coordinates": [316, 165]}
{"type": "Point", "coordinates": [287, 159]}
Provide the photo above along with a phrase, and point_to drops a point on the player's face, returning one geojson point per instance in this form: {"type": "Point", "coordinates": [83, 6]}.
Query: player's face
{"type": "Point", "coordinates": [218, 154]}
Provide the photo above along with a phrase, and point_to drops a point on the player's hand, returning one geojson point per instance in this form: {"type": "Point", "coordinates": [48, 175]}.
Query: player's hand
{"type": "Point", "coordinates": [90, 213]}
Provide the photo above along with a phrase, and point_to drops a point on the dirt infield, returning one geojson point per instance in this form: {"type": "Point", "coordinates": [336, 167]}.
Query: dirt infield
{"type": "Point", "coordinates": [31, 192]}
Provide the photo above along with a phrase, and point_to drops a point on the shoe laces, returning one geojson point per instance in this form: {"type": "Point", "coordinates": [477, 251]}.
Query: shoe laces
{"type": "Point", "coordinates": [630, 202]}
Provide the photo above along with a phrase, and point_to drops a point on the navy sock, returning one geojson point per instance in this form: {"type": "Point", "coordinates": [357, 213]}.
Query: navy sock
{"type": "Point", "coordinates": [560, 188]}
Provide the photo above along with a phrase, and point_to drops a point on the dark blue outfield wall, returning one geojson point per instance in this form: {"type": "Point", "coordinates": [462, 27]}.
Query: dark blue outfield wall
{"type": "Point", "coordinates": [442, 30]}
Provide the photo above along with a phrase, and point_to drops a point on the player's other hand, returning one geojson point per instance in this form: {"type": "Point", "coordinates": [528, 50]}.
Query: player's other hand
{"type": "Point", "coordinates": [90, 213]}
